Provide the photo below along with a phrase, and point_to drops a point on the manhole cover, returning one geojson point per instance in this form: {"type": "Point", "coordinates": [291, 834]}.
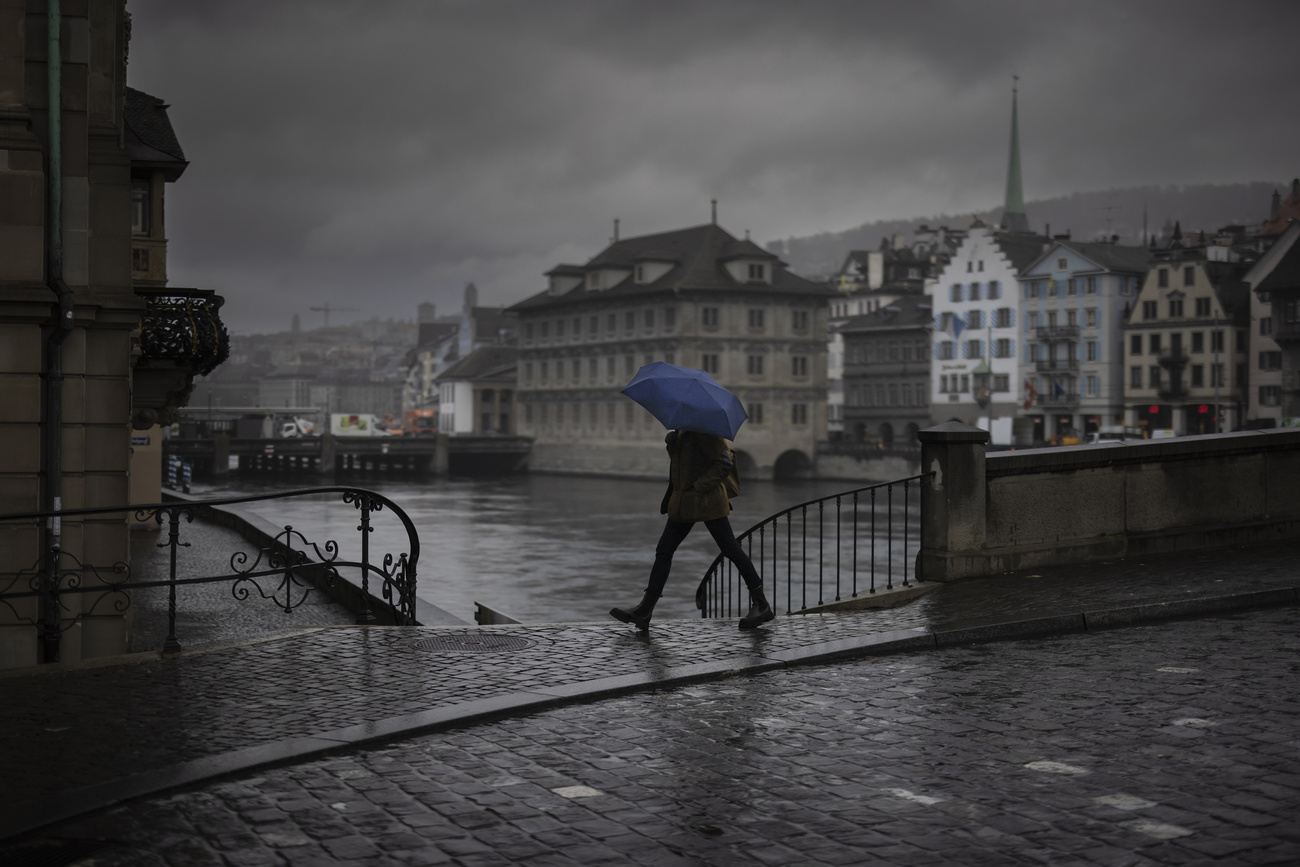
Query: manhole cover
{"type": "Point", "coordinates": [470, 643]}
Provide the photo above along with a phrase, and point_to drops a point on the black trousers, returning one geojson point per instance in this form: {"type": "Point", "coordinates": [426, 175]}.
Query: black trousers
{"type": "Point", "coordinates": [720, 530]}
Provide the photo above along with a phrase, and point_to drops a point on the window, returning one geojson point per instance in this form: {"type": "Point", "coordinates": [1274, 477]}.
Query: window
{"type": "Point", "coordinates": [1153, 376]}
{"type": "Point", "coordinates": [1091, 385]}
{"type": "Point", "coordinates": [757, 271]}
{"type": "Point", "coordinates": [981, 265]}
{"type": "Point", "coordinates": [139, 259]}
{"type": "Point", "coordinates": [1270, 361]}
{"type": "Point", "coordinates": [798, 413]}
{"type": "Point", "coordinates": [559, 329]}
{"type": "Point", "coordinates": [593, 280]}
{"type": "Point", "coordinates": [649, 317]}
{"type": "Point", "coordinates": [1062, 264]}
{"type": "Point", "coordinates": [954, 291]}
{"type": "Point", "coordinates": [640, 274]}
{"type": "Point", "coordinates": [545, 330]}
{"type": "Point", "coordinates": [1149, 310]}
{"type": "Point", "coordinates": [995, 290]}
{"type": "Point", "coordinates": [593, 370]}
{"type": "Point", "coordinates": [610, 367]}
{"type": "Point", "coordinates": [754, 365]}
{"type": "Point", "coordinates": [1002, 318]}
{"type": "Point", "coordinates": [1202, 306]}
{"type": "Point", "coordinates": [1198, 375]}
{"type": "Point", "coordinates": [1051, 319]}
{"type": "Point", "coordinates": [611, 323]}
{"type": "Point", "coordinates": [1090, 318]}
{"type": "Point", "coordinates": [755, 413]}
{"type": "Point", "coordinates": [528, 331]}
{"type": "Point", "coordinates": [1090, 285]}
{"type": "Point", "coordinates": [577, 327]}
{"type": "Point", "coordinates": [629, 365]}
{"type": "Point", "coordinates": [799, 365]}
{"type": "Point", "coordinates": [709, 362]}
{"type": "Point", "coordinates": [1072, 318]}
{"type": "Point", "coordinates": [799, 320]}
{"type": "Point", "coordinates": [1001, 382]}
{"type": "Point", "coordinates": [975, 319]}
{"type": "Point", "coordinates": [974, 292]}
{"type": "Point", "coordinates": [593, 325]}
{"type": "Point", "coordinates": [974, 349]}
{"type": "Point", "coordinates": [140, 207]}
{"type": "Point", "coordinates": [1198, 341]}
{"type": "Point", "coordinates": [528, 373]}
{"type": "Point", "coordinates": [1241, 340]}
{"type": "Point", "coordinates": [629, 321]}
{"type": "Point", "coordinates": [965, 383]}
{"type": "Point", "coordinates": [709, 317]}
{"type": "Point", "coordinates": [1216, 376]}
{"type": "Point", "coordinates": [1071, 286]}
{"type": "Point", "coordinates": [1175, 308]}
{"type": "Point", "coordinates": [755, 318]}
{"type": "Point", "coordinates": [943, 383]}
{"type": "Point", "coordinates": [670, 318]}
{"type": "Point", "coordinates": [1153, 344]}
{"type": "Point", "coordinates": [1031, 321]}
{"type": "Point", "coordinates": [1189, 275]}
{"type": "Point", "coordinates": [1051, 288]}
{"type": "Point", "coordinates": [1135, 377]}
{"type": "Point", "coordinates": [970, 266]}
{"type": "Point", "coordinates": [1270, 395]}
{"type": "Point", "coordinates": [576, 367]}
{"type": "Point", "coordinates": [543, 371]}
{"type": "Point", "coordinates": [1265, 326]}
{"type": "Point", "coordinates": [1092, 350]}
{"type": "Point", "coordinates": [1002, 348]}
{"type": "Point", "coordinates": [1135, 345]}
{"type": "Point", "coordinates": [1162, 278]}
{"type": "Point", "coordinates": [946, 350]}
{"type": "Point", "coordinates": [1216, 341]}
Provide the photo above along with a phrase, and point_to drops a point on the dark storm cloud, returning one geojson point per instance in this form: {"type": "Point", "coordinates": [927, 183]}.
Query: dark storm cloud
{"type": "Point", "coordinates": [380, 154]}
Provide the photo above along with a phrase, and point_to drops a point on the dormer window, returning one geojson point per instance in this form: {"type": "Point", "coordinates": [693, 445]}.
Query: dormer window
{"type": "Point", "coordinates": [640, 273]}
{"type": "Point", "coordinates": [593, 280]}
{"type": "Point", "coordinates": [757, 271]}
{"type": "Point", "coordinates": [140, 207]}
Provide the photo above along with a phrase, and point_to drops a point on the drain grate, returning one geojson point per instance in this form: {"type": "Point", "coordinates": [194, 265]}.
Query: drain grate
{"type": "Point", "coordinates": [470, 643]}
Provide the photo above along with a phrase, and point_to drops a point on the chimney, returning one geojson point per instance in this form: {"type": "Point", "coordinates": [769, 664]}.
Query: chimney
{"type": "Point", "coordinates": [615, 238]}
{"type": "Point", "coordinates": [715, 211]}
{"type": "Point", "coordinates": [1276, 210]}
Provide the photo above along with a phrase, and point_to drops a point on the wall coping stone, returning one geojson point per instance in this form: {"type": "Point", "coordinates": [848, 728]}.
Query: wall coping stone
{"type": "Point", "coordinates": [1118, 454]}
{"type": "Point", "coordinates": [952, 432]}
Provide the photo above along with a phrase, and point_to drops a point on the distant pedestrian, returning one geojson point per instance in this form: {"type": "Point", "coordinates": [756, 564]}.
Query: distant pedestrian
{"type": "Point", "coordinates": [699, 464]}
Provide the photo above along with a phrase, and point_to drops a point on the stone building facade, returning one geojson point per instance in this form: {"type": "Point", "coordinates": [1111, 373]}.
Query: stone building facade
{"type": "Point", "coordinates": [887, 374]}
{"type": "Point", "coordinates": [695, 297]}
{"type": "Point", "coordinates": [1188, 345]}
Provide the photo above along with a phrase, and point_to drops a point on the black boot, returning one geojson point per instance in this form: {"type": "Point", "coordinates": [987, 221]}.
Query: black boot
{"type": "Point", "coordinates": [638, 616]}
{"type": "Point", "coordinates": [759, 610]}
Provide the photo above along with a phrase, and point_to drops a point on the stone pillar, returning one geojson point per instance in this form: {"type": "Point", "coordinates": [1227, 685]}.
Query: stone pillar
{"type": "Point", "coordinates": [326, 464]}
{"type": "Point", "coordinates": [221, 454]}
{"type": "Point", "coordinates": [952, 502]}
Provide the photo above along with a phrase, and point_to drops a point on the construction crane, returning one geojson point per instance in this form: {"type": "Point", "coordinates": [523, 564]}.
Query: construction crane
{"type": "Point", "coordinates": [327, 310]}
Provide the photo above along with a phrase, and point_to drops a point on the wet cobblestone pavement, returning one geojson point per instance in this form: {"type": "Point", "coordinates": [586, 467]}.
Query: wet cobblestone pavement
{"type": "Point", "coordinates": [1173, 743]}
{"type": "Point", "coordinates": [79, 737]}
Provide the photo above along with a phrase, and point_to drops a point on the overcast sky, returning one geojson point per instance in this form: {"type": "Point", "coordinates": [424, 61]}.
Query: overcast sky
{"type": "Point", "coordinates": [379, 154]}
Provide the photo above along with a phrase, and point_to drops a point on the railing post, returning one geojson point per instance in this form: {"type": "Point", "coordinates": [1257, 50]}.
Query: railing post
{"type": "Point", "coordinates": [171, 644]}
{"type": "Point", "coordinates": [952, 502]}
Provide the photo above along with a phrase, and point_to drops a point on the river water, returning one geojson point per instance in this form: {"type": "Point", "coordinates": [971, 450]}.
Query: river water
{"type": "Point", "coordinates": [538, 548]}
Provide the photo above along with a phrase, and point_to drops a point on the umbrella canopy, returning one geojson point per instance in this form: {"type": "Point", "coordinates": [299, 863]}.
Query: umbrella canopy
{"type": "Point", "coordinates": [683, 398]}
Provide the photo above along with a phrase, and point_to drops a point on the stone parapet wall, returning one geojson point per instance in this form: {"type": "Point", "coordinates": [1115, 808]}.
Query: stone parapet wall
{"type": "Point", "coordinates": [1043, 507]}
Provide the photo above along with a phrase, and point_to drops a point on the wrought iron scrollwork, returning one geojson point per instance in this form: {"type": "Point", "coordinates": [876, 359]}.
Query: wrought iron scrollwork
{"type": "Point", "coordinates": [292, 565]}
{"type": "Point", "coordinates": [184, 325]}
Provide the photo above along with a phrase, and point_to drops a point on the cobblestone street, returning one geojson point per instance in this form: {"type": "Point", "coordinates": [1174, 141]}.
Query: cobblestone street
{"type": "Point", "coordinates": [1173, 743]}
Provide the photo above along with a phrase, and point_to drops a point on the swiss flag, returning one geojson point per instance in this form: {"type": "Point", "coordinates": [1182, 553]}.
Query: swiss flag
{"type": "Point", "coordinates": [1030, 394]}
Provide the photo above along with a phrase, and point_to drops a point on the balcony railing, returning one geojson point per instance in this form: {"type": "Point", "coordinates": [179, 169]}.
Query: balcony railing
{"type": "Point", "coordinates": [1172, 359]}
{"type": "Point", "coordinates": [1067, 400]}
{"type": "Point", "coordinates": [1052, 364]}
{"type": "Point", "coordinates": [184, 325]}
{"type": "Point", "coordinates": [1057, 332]}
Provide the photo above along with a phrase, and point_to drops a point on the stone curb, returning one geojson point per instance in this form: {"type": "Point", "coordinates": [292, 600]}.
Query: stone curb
{"type": "Point", "coordinates": [66, 805]}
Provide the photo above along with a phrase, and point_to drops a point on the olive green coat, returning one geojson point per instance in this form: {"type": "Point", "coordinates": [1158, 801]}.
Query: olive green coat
{"type": "Point", "coordinates": [698, 464]}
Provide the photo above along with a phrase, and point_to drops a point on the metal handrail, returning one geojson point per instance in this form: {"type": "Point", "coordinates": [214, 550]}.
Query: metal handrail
{"type": "Point", "coordinates": [297, 563]}
{"type": "Point", "coordinates": [719, 593]}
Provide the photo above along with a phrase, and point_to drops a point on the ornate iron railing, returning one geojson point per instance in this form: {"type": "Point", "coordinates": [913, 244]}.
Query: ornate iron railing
{"type": "Point", "coordinates": [286, 570]}
{"type": "Point", "coordinates": [184, 325]}
{"type": "Point", "coordinates": [796, 561]}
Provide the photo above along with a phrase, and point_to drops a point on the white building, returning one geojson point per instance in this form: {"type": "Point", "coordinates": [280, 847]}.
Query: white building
{"type": "Point", "coordinates": [974, 376]}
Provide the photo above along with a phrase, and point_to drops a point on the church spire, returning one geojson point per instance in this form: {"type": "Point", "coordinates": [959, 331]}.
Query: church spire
{"type": "Point", "coordinates": [1013, 213]}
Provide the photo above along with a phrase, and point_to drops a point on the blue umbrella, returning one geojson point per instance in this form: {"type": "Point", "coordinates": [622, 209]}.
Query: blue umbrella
{"type": "Point", "coordinates": [683, 398]}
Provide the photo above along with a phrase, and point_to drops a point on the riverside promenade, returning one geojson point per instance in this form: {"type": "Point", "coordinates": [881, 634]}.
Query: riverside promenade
{"type": "Point", "coordinates": [1136, 712]}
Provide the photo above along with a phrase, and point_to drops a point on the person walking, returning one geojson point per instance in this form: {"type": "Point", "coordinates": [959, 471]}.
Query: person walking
{"type": "Point", "coordinates": [698, 465]}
